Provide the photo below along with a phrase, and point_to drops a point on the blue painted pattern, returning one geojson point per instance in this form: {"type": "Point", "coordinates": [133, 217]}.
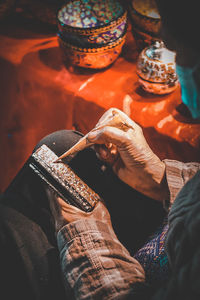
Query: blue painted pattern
{"type": "Point", "coordinates": [90, 13]}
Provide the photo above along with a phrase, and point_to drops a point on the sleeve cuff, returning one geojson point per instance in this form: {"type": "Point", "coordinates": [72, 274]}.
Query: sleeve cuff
{"type": "Point", "coordinates": [177, 174]}
{"type": "Point", "coordinates": [83, 226]}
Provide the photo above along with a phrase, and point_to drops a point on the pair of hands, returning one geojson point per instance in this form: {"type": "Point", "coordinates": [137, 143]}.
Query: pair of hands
{"type": "Point", "coordinates": [131, 159]}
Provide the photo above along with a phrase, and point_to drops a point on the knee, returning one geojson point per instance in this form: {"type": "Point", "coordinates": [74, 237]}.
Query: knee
{"type": "Point", "coordinates": [60, 141]}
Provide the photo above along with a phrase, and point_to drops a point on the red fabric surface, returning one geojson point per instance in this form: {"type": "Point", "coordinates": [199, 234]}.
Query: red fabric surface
{"type": "Point", "coordinates": [40, 95]}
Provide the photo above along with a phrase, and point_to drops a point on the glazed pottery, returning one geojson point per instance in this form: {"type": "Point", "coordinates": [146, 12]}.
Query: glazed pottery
{"type": "Point", "coordinates": [92, 32]}
{"type": "Point", "coordinates": [144, 15]}
{"type": "Point", "coordinates": [156, 69]}
{"type": "Point", "coordinates": [92, 58]}
{"type": "Point", "coordinates": [87, 23]}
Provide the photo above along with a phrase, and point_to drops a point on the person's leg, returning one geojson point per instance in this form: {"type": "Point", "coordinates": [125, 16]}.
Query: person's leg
{"type": "Point", "coordinates": [29, 257]}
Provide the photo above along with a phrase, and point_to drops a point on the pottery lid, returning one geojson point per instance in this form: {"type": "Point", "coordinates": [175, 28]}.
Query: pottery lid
{"type": "Point", "coordinates": [90, 13]}
{"type": "Point", "coordinates": [158, 52]}
{"type": "Point", "coordinates": [146, 8]}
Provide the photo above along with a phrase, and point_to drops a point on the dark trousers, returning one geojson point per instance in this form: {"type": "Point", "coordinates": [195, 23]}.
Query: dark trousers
{"type": "Point", "coordinates": [29, 258]}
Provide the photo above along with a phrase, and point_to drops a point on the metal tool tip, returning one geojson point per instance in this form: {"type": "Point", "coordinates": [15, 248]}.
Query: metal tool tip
{"type": "Point", "coordinates": [55, 161]}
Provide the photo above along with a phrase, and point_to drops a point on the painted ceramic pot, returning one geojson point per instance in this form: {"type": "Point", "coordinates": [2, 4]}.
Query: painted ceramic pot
{"type": "Point", "coordinates": [92, 22]}
{"type": "Point", "coordinates": [144, 14]}
{"type": "Point", "coordinates": [92, 58]}
{"type": "Point", "coordinates": [156, 69]}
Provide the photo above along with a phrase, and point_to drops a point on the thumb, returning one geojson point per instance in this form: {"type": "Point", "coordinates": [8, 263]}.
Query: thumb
{"type": "Point", "coordinates": [69, 208]}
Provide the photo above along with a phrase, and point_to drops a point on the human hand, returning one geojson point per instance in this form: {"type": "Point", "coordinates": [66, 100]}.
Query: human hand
{"type": "Point", "coordinates": [130, 156]}
{"type": "Point", "coordinates": [65, 213]}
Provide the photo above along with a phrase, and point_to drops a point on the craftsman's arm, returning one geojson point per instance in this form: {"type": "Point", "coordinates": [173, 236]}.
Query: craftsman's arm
{"type": "Point", "coordinates": [96, 265]}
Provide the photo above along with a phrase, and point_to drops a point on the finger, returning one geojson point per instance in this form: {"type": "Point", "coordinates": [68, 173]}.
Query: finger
{"type": "Point", "coordinates": [105, 117]}
{"type": "Point", "coordinates": [107, 155]}
{"type": "Point", "coordinates": [111, 114]}
{"type": "Point", "coordinates": [113, 149]}
{"type": "Point", "coordinates": [68, 208]}
{"type": "Point", "coordinates": [102, 151]}
{"type": "Point", "coordinates": [108, 134]}
{"type": "Point", "coordinates": [101, 212]}
{"type": "Point", "coordinates": [125, 118]}
{"type": "Point", "coordinates": [106, 150]}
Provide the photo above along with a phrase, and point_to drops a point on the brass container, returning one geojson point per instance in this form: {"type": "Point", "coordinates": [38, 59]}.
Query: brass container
{"type": "Point", "coordinates": [156, 69]}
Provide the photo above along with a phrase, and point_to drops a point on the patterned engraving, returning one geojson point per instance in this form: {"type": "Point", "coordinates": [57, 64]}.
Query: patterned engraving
{"type": "Point", "coordinates": [83, 196]}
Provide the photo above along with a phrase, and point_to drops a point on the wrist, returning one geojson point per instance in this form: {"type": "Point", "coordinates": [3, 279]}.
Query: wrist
{"type": "Point", "coordinates": [155, 183]}
{"type": "Point", "coordinates": [155, 168]}
{"type": "Point", "coordinates": [150, 178]}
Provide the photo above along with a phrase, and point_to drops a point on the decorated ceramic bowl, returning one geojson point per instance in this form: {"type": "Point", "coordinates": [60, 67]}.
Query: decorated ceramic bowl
{"type": "Point", "coordinates": [93, 58]}
{"type": "Point", "coordinates": [92, 22]}
{"type": "Point", "coordinates": [144, 14]}
{"type": "Point", "coordinates": [156, 69]}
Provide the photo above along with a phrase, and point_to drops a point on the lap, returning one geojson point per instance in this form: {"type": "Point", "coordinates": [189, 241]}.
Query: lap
{"type": "Point", "coordinates": [27, 229]}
